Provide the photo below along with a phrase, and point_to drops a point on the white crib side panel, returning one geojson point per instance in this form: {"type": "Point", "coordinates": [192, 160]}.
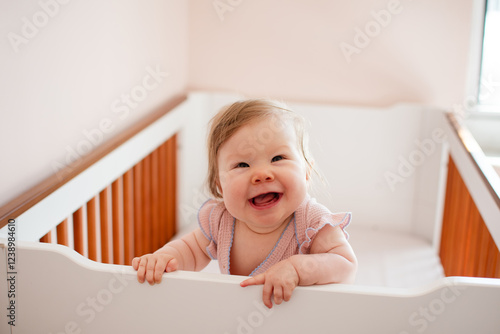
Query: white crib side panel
{"type": "Point", "coordinates": [60, 291]}
{"type": "Point", "coordinates": [382, 164]}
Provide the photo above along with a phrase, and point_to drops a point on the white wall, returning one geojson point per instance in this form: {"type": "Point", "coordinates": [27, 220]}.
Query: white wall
{"type": "Point", "coordinates": [67, 65]}
{"type": "Point", "coordinates": [292, 49]}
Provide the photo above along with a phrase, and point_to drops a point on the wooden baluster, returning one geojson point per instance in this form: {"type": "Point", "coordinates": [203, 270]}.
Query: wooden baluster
{"type": "Point", "coordinates": [155, 201]}
{"type": "Point", "coordinates": [471, 261]}
{"type": "Point", "coordinates": [104, 217]}
{"type": "Point", "coordinates": [47, 238]}
{"type": "Point", "coordinates": [117, 221]}
{"type": "Point", "coordinates": [483, 250]}
{"type": "Point", "coordinates": [446, 251]}
{"type": "Point", "coordinates": [92, 228]}
{"type": "Point", "coordinates": [461, 227]}
{"type": "Point", "coordinates": [468, 248]}
{"type": "Point", "coordinates": [491, 261]}
{"type": "Point", "coordinates": [128, 216]}
{"type": "Point", "coordinates": [78, 231]}
{"type": "Point", "coordinates": [497, 267]}
{"type": "Point", "coordinates": [163, 200]}
{"type": "Point", "coordinates": [146, 206]}
{"type": "Point", "coordinates": [138, 200]}
{"type": "Point", "coordinates": [62, 233]}
{"type": "Point", "coordinates": [171, 187]}
{"type": "Point", "coordinates": [461, 208]}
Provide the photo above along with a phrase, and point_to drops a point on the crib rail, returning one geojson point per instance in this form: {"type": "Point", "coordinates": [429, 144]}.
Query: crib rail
{"type": "Point", "coordinates": [115, 203]}
{"type": "Point", "coordinates": [467, 247]}
{"type": "Point", "coordinates": [108, 299]}
{"type": "Point", "coordinates": [30, 198]}
{"type": "Point", "coordinates": [132, 216]}
{"type": "Point", "coordinates": [470, 232]}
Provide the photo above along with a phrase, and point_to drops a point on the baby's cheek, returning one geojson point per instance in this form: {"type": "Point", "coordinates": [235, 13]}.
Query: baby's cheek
{"type": "Point", "coordinates": [235, 202]}
{"type": "Point", "coordinates": [298, 184]}
{"type": "Point", "coordinates": [232, 188]}
{"type": "Point", "coordinates": [236, 193]}
{"type": "Point", "coordinates": [223, 178]}
{"type": "Point", "coordinates": [297, 178]}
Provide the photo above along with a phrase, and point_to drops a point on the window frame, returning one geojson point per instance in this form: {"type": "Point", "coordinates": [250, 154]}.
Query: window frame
{"type": "Point", "coordinates": [473, 78]}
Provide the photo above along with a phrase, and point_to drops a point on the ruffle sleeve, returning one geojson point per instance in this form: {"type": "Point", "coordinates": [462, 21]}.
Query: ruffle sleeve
{"type": "Point", "coordinates": [209, 219]}
{"type": "Point", "coordinates": [315, 216]}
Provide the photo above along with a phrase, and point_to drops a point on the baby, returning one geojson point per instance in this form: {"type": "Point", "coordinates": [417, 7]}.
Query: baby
{"type": "Point", "coordinates": [262, 222]}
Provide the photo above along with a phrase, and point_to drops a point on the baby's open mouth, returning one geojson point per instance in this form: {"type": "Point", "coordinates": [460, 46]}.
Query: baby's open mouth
{"type": "Point", "coordinates": [265, 200]}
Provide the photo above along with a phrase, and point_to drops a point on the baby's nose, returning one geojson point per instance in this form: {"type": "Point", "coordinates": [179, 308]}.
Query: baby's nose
{"type": "Point", "coordinates": [262, 175]}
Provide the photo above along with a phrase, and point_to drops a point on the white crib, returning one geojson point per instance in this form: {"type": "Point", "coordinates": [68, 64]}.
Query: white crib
{"type": "Point", "coordinates": [104, 201]}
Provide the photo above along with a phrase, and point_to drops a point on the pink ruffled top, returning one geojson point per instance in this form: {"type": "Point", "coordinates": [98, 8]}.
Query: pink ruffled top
{"type": "Point", "coordinates": [217, 224]}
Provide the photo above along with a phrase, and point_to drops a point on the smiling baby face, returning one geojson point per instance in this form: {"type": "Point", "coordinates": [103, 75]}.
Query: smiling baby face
{"type": "Point", "coordinates": [262, 174]}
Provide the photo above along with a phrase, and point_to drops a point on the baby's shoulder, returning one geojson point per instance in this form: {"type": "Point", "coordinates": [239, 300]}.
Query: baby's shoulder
{"type": "Point", "coordinates": [208, 207]}
{"type": "Point", "coordinates": [311, 212]}
{"type": "Point", "coordinates": [312, 217]}
{"type": "Point", "coordinates": [210, 216]}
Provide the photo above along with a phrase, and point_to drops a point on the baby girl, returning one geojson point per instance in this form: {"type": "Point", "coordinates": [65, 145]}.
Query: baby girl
{"type": "Point", "coordinates": [262, 222]}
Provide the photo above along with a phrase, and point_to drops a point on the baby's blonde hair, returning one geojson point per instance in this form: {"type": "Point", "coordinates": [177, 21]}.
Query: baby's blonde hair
{"type": "Point", "coordinates": [231, 118]}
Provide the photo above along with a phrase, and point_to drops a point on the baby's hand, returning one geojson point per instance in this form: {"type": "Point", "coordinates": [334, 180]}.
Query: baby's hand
{"type": "Point", "coordinates": [280, 280]}
{"type": "Point", "coordinates": [152, 266]}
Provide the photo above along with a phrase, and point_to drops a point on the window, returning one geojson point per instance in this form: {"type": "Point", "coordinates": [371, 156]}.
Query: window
{"type": "Point", "coordinates": [480, 112]}
{"type": "Point", "coordinates": [488, 97]}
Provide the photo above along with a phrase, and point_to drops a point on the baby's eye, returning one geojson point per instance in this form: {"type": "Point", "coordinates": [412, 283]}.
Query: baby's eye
{"type": "Point", "coordinates": [242, 165]}
{"type": "Point", "coordinates": [277, 158]}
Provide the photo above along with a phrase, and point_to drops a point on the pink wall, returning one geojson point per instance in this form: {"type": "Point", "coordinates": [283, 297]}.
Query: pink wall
{"type": "Point", "coordinates": [60, 83]}
{"type": "Point", "coordinates": [417, 51]}
{"type": "Point", "coordinates": [75, 74]}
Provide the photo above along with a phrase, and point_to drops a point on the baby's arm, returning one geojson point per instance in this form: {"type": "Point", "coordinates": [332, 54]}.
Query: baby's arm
{"type": "Point", "coordinates": [331, 260]}
{"type": "Point", "coordinates": [187, 253]}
